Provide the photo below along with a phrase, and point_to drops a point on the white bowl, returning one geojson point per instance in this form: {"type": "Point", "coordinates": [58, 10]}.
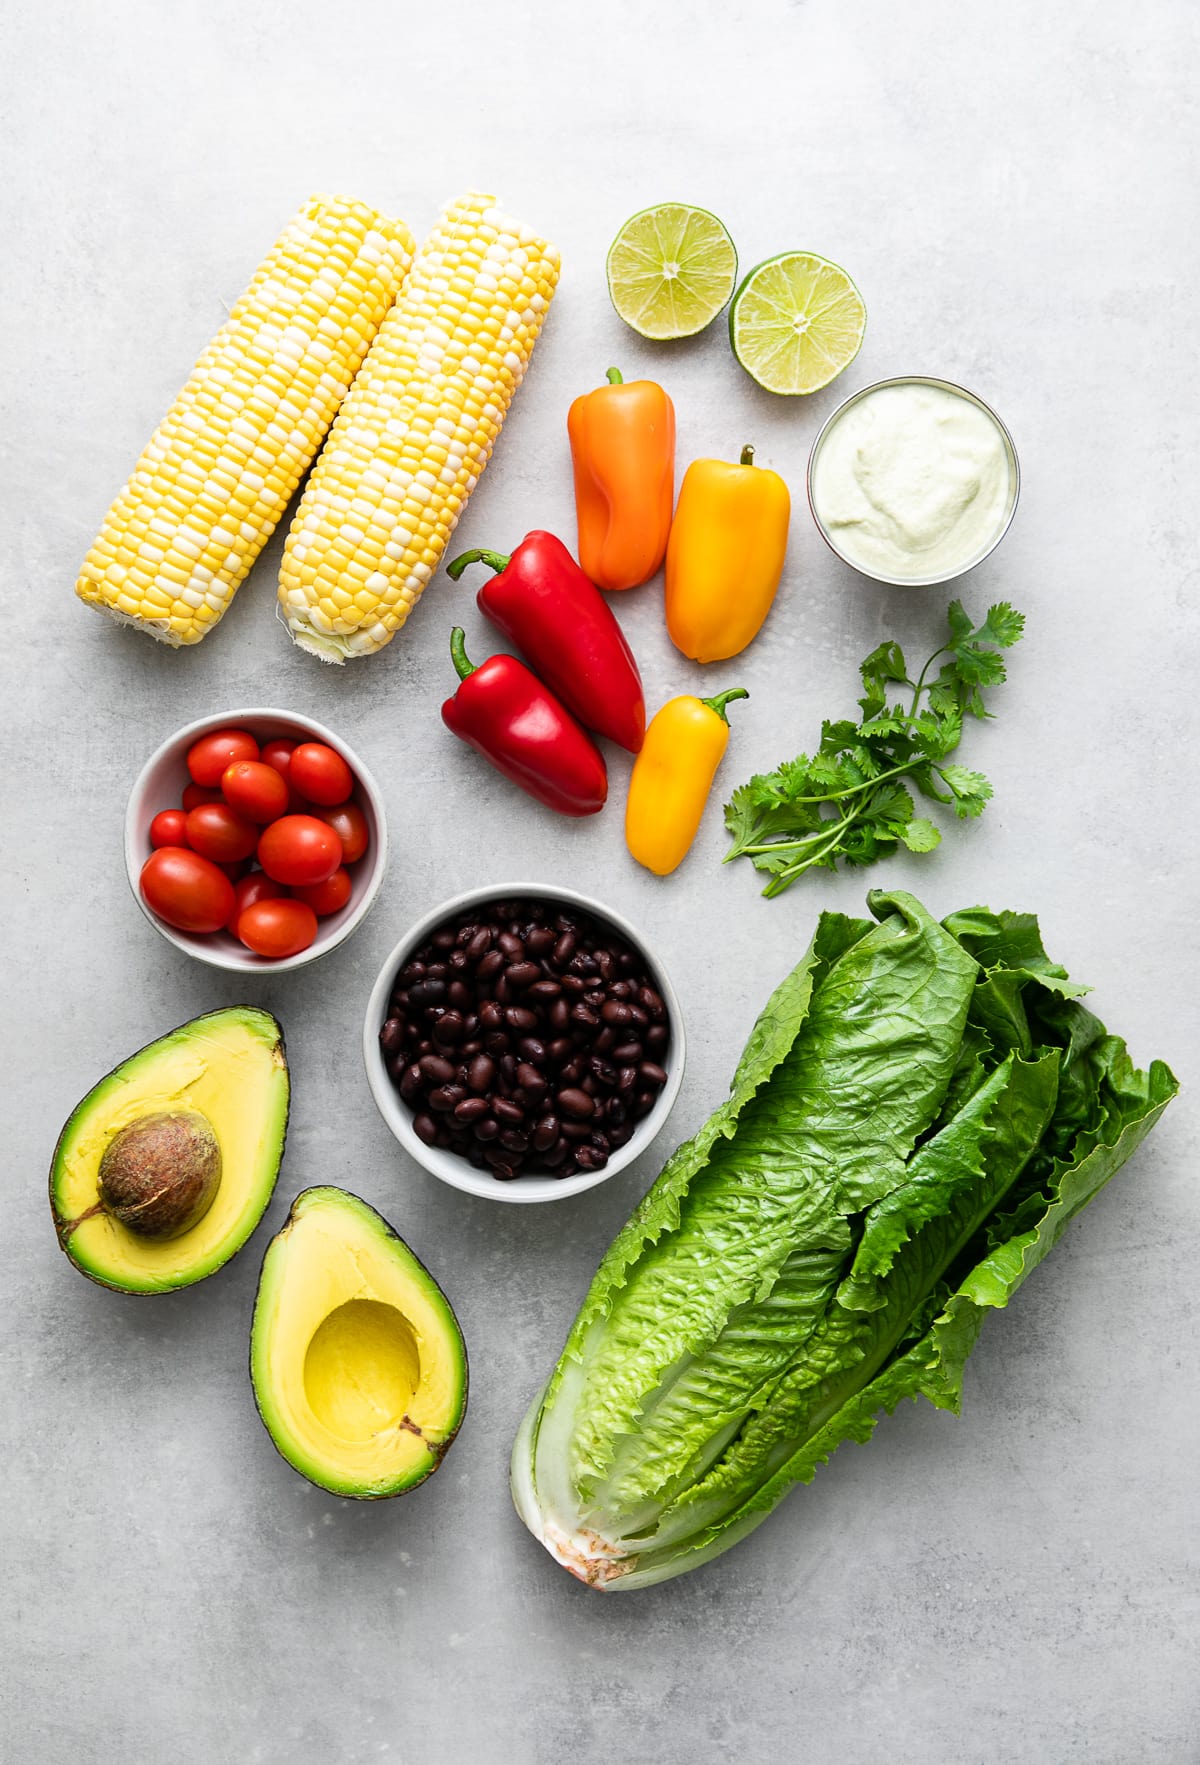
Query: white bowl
{"type": "Point", "coordinates": [161, 784]}
{"type": "Point", "coordinates": [449, 1167]}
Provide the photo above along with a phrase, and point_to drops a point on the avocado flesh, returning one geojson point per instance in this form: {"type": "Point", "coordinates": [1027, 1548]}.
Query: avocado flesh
{"type": "Point", "coordinates": [228, 1066]}
{"type": "Point", "coordinates": [357, 1360]}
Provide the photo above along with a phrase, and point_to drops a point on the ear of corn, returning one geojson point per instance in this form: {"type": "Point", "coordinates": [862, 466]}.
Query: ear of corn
{"type": "Point", "coordinates": [416, 431]}
{"type": "Point", "coordinates": [219, 470]}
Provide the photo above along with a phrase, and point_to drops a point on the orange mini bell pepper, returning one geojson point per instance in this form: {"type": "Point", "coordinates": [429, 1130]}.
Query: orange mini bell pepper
{"type": "Point", "coordinates": [725, 555]}
{"type": "Point", "coordinates": [623, 448]}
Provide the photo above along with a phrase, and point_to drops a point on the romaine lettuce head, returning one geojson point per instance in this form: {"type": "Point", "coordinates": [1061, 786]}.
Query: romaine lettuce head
{"type": "Point", "coordinates": [919, 1112]}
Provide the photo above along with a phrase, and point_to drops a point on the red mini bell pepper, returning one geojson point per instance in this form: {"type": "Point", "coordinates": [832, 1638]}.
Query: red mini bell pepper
{"type": "Point", "coordinates": [507, 715]}
{"type": "Point", "coordinates": [542, 600]}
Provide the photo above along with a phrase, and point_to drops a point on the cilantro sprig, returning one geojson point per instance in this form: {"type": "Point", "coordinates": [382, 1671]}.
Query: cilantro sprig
{"type": "Point", "coordinates": [850, 803]}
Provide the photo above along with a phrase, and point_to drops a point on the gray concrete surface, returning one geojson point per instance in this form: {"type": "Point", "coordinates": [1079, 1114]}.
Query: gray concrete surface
{"type": "Point", "coordinates": [1014, 191]}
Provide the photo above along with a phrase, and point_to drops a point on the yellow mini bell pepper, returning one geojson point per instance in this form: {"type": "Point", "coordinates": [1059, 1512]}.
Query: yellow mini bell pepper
{"type": "Point", "coordinates": [725, 555]}
{"type": "Point", "coordinates": [672, 777]}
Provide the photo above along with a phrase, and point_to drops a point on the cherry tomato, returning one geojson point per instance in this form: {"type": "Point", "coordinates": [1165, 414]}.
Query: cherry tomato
{"type": "Point", "coordinates": [195, 794]}
{"type": "Point", "coordinates": [327, 897]}
{"type": "Point", "coordinates": [255, 887]}
{"type": "Point", "coordinates": [254, 790]}
{"type": "Point", "coordinates": [208, 758]}
{"type": "Point", "coordinates": [280, 927]}
{"type": "Point", "coordinates": [218, 832]}
{"type": "Point", "coordinates": [320, 774]}
{"type": "Point", "coordinates": [278, 756]}
{"type": "Point", "coordinates": [350, 825]}
{"type": "Point", "coordinates": [186, 890]}
{"type": "Point", "coordinates": [299, 849]}
{"type": "Point", "coordinates": [169, 828]}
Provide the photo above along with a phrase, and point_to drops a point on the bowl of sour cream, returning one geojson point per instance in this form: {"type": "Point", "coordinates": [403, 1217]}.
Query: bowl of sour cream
{"type": "Point", "coordinates": [913, 481]}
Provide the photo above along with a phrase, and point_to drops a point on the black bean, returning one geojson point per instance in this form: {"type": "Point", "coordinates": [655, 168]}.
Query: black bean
{"type": "Point", "coordinates": [627, 1078]}
{"type": "Point", "coordinates": [512, 947]}
{"type": "Point", "coordinates": [486, 1128]}
{"type": "Point", "coordinates": [501, 991]}
{"type": "Point", "coordinates": [444, 1098]}
{"type": "Point", "coordinates": [480, 944]}
{"type": "Point", "coordinates": [583, 1014]}
{"type": "Point", "coordinates": [443, 940]}
{"type": "Point", "coordinates": [628, 1053]}
{"type": "Point", "coordinates": [427, 993]}
{"type": "Point", "coordinates": [620, 1136]}
{"type": "Point", "coordinates": [590, 1158]}
{"type": "Point", "coordinates": [496, 1043]}
{"type": "Point", "coordinates": [656, 1037]}
{"type": "Point", "coordinates": [617, 1013]}
{"type": "Point", "coordinates": [555, 1155]}
{"type": "Point", "coordinates": [490, 964]}
{"type": "Point", "coordinates": [643, 1103]}
{"type": "Point", "coordinates": [574, 984]}
{"type": "Point", "coordinates": [594, 998]}
{"type": "Point", "coordinates": [392, 1034]}
{"type": "Point", "coordinates": [518, 1017]}
{"type": "Point", "coordinates": [425, 1128]}
{"type": "Point", "coordinates": [574, 1102]}
{"type": "Point", "coordinates": [652, 1002]}
{"type": "Point", "coordinates": [602, 1071]}
{"type": "Point", "coordinates": [564, 949]}
{"type": "Point", "coordinates": [615, 1112]}
{"type": "Point", "coordinates": [435, 971]}
{"type": "Point", "coordinates": [531, 1079]}
{"type": "Point", "coordinates": [458, 962]}
{"type": "Point", "coordinates": [545, 990]}
{"type": "Point", "coordinates": [529, 1048]}
{"type": "Point", "coordinates": [448, 1030]}
{"type": "Point", "coordinates": [540, 942]}
{"type": "Point", "coordinates": [606, 1041]}
{"type": "Point", "coordinates": [480, 1072]}
{"type": "Point", "coordinates": [505, 1110]}
{"type": "Point", "coordinates": [650, 1074]}
{"type": "Point", "coordinates": [572, 1072]}
{"type": "Point", "coordinates": [491, 1015]}
{"type": "Point", "coordinates": [412, 1083]}
{"type": "Point", "coordinates": [576, 1132]}
{"type": "Point", "coordinates": [559, 1015]}
{"type": "Point", "coordinates": [435, 1070]}
{"type": "Point", "coordinates": [521, 975]}
{"type": "Point", "coordinates": [471, 1109]}
{"type": "Point", "coordinates": [460, 996]}
{"type": "Point", "coordinates": [605, 966]}
{"type": "Point", "coordinates": [514, 1141]}
{"type": "Point", "coordinates": [623, 990]}
{"type": "Point", "coordinates": [546, 1132]}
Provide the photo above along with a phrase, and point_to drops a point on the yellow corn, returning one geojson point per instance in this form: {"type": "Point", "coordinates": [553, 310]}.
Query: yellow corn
{"type": "Point", "coordinates": [208, 490]}
{"type": "Point", "coordinates": [415, 431]}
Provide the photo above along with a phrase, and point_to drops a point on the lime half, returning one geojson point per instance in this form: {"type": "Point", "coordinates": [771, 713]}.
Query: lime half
{"type": "Point", "coordinates": [670, 270]}
{"type": "Point", "coordinates": [796, 322]}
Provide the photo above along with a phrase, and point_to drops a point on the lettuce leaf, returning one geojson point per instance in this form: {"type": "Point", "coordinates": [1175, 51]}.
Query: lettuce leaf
{"type": "Point", "coordinates": [918, 1114]}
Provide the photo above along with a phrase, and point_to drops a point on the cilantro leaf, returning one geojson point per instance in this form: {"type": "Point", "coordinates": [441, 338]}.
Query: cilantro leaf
{"type": "Point", "coordinates": [851, 803]}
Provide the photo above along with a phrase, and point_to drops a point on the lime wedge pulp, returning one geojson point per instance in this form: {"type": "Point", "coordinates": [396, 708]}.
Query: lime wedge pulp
{"type": "Point", "coordinates": [671, 269]}
{"type": "Point", "coordinates": [796, 321]}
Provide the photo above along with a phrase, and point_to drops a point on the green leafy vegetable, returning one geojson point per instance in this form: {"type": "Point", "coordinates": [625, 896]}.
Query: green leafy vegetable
{"type": "Point", "coordinates": [847, 805]}
{"type": "Point", "coordinates": [918, 1114]}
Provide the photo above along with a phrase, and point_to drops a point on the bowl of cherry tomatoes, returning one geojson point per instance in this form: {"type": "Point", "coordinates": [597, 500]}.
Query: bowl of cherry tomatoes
{"type": "Point", "coordinates": [255, 840]}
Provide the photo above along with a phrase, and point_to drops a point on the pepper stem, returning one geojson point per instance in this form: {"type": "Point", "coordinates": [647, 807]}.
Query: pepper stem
{"type": "Point", "coordinates": [747, 458]}
{"type": "Point", "coordinates": [615, 377]}
{"type": "Point", "coordinates": [719, 703]}
{"type": "Point", "coordinates": [458, 653]}
{"type": "Point", "coordinates": [494, 560]}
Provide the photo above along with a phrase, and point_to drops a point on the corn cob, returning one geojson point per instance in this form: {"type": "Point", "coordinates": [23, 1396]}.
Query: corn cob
{"type": "Point", "coordinates": [415, 432]}
{"type": "Point", "coordinates": [217, 474]}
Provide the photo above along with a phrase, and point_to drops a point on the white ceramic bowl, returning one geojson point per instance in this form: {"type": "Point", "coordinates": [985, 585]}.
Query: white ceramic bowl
{"type": "Point", "coordinates": [160, 785]}
{"type": "Point", "coordinates": [448, 1166]}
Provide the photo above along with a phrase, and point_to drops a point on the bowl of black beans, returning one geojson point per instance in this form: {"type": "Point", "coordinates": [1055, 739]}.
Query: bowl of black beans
{"type": "Point", "coordinates": [522, 1043]}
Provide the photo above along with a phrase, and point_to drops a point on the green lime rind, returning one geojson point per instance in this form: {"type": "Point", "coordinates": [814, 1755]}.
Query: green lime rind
{"type": "Point", "coordinates": [796, 322]}
{"type": "Point", "coordinates": [671, 269]}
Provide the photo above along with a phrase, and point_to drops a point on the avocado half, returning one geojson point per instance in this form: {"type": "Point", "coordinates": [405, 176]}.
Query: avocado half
{"type": "Point", "coordinates": [229, 1067]}
{"type": "Point", "coordinates": [356, 1357]}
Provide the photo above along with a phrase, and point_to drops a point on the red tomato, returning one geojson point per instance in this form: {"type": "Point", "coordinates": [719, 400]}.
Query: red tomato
{"type": "Point", "coordinates": [218, 832]}
{"type": "Point", "coordinates": [350, 825]}
{"type": "Point", "coordinates": [281, 927]}
{"type": "Point", "coordinates": [254, 790]}
{"type": "Point", "coordinates": [186, 890]}
{"type": "Point", "coordinates": [327, 897]}
{"type": "Point", "coordinates": [278, 756]}
{"type": "Point", "coordinates": [320, 774]}
{"type": "Point", "coordinates": [195, 794]}
{"type": "Point", "coordinates": [299, 849]}
{"type": "Point", "coordinates": [169, 828]}
{"type": "Point", "coordinates": [208, 758]}
{"type": "Point", "coordinates": [255, 887]}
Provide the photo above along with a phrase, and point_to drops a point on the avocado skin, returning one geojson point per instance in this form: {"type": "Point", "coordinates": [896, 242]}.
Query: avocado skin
{"type": "Point", "coordinates": [196, 1026]}
{"type": "Point", "coordinates": [308, 1197]}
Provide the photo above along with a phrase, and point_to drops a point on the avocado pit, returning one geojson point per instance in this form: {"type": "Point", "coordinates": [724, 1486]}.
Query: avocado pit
{"type": "Point", "coordinates": [159, 1175]}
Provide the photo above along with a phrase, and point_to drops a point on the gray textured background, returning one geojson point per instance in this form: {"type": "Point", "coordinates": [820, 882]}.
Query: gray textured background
{"type": "Point", "coordinates": [1012, 188]}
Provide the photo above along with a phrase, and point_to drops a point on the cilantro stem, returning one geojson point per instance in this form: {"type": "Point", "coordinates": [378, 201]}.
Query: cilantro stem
{"type": "Point", "coordinates": [854, 790]}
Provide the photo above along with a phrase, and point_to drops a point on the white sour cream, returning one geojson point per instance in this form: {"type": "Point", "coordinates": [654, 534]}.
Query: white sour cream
{"type": "Point", "coordinates": [913, 481]}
